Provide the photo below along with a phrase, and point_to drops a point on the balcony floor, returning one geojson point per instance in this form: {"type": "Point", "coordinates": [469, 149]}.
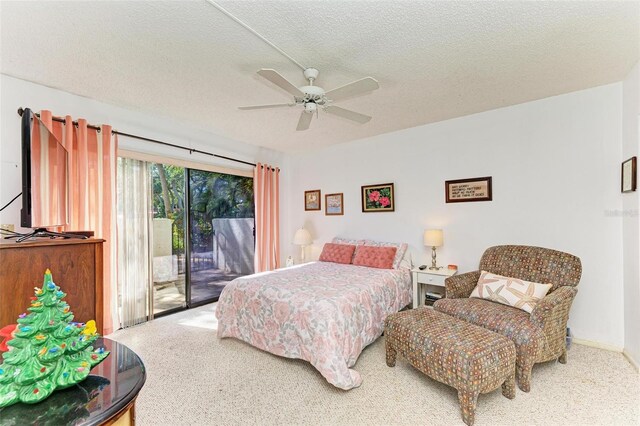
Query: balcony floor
{"type": "Point", "coordinates": [206, 284]}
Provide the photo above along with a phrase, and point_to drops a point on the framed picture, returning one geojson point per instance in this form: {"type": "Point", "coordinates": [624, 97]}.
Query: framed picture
{"type": "Point", "coordinates": [378, 198]}
{"type": "Point", "coordinates": [629, 175]}
{"type": "Point", "coordinates": [333, 204]}
{"type": "Point", "coordinates": [464, 190]}
{"type": "Point", "coordinates": [312, 200]}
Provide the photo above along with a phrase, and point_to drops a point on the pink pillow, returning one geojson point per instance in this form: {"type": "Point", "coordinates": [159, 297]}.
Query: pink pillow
{"type": "Point", "coordinates": [338, 253]}
{"type": "Point", "coordinates": [375, 257]}
{"type": "Point", "coordinates": [401, 249]}
{"type": "Point", "coordinates": [357, 243]}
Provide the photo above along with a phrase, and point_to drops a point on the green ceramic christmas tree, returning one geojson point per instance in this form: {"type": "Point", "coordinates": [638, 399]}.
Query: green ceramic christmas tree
{"type": "Point", "coordinates": [48, 350]}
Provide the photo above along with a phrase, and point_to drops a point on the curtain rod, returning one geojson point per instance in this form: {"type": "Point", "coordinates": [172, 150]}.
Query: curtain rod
{"type": "Point", "coordinates": [129, 135]}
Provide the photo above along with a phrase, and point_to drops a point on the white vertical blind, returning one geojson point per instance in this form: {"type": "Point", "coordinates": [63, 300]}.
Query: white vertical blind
{"type": "Point", "coordinates": [134, 267]}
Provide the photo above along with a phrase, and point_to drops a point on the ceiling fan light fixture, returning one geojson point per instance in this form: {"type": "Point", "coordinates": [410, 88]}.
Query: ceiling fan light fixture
{"type": "Point", "coordinates": [312, 97]}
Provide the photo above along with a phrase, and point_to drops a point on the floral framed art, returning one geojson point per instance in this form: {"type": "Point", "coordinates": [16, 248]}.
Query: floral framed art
{"type": "Point", "coordinates": [378, 198]}
{"type": "Point", "coordinates": [333, 204]}
{"type": "Point", "coordinates": [312, 200]}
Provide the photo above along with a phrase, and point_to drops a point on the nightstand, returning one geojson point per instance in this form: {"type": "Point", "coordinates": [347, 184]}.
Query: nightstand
{"type": "Point", "coordinates": [429, 280]}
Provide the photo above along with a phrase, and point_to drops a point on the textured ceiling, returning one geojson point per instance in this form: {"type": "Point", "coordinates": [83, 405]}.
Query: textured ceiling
{"type": "Point", "coordinates": [434, 60]}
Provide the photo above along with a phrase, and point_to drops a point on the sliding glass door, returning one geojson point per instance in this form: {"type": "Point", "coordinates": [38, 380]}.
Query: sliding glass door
{"type": "Point", "coordinates": [221, 232]}
{"type": "Point", "coordinates": [168, 237]}
{"type": "Point", "coordinates": [188, 233]}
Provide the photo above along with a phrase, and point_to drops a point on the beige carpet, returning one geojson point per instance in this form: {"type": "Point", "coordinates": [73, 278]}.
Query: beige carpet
{"type": "Point", "coordinates": [195, 378]}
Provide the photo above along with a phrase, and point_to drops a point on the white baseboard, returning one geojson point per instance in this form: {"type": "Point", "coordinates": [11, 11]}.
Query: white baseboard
{"type": "Point", "coordinates": [611, 348]}
{"type": "Point", "coordinates": [632, 361]}
{"type": "Point", "coordinates": [598, 345]}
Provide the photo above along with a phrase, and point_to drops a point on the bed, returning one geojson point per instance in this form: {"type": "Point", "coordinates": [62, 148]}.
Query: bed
{"type": "Point", "coordinates": [322, 312]}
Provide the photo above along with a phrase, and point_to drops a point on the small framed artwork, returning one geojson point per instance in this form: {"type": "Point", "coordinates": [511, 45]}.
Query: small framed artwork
{"type": "Point", "coordinates": [333, 204]}
{"type": "Point", "coordinates": [629, 175]}
{"type": "Point", "coordinates": [378, 198]}
{"type": "Point", "coordinates": [312, 200]}
{"type": "Point", "coordinates": [465, 190]}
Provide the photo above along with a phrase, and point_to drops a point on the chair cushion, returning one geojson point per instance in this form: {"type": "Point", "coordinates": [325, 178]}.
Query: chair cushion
{"type": "Point", "coordinates": [510, 322]}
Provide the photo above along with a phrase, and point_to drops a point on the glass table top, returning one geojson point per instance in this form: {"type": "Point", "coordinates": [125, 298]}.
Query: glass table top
{"type": "Point", "coordinates": [110, 387]}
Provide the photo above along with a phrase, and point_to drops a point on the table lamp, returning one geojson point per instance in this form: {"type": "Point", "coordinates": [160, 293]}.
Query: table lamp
{"type": "Point", "coordinates": [433, 238]}
{"type": "Point", "coordinates": [302, 238]}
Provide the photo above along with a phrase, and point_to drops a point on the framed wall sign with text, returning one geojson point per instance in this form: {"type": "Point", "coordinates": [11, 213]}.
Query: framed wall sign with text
{"type": "Point", "coordinates": [464, 190]}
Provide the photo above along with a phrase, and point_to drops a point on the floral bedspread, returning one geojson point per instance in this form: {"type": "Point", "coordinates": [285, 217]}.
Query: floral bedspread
{"type": "Point", "coordinates": [325, 313]}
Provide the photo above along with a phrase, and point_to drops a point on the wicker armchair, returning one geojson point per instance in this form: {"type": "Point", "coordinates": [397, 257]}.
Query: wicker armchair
{"type": "Point", "coordinates": [539, 336]}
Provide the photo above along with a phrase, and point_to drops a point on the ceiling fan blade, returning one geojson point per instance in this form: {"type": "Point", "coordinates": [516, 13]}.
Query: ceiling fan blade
{"type": "Point", "coordinates": [305, 120]}
{"type": "Point", "coordinates": [348, 114]}
{"type": "Point", "coordinates": [354, 88]}
{"type": "Point", "coordinates": [274, 77]}
{"type": "Point", "coordinates": [265, 106]}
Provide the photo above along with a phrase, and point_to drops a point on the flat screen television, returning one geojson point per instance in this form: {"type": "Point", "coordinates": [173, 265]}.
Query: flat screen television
{"type": "Point", "coordinates": [45, 176]}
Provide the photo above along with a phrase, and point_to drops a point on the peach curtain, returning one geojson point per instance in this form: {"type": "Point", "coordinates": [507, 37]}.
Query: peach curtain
{"type": "Point", "coordinates": [92, 192]}
{"type": "Point", "coordinates": [266, 195]}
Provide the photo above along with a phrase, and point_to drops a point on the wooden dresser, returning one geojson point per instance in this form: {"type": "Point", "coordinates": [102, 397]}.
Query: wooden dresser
{"type": "Point", "coordinates": [76, 266]}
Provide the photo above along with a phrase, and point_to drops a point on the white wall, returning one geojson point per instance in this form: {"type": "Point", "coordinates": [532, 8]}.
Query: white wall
{"type": "Point", "coordinates": [555, 167]}
{"type": "Point", "coordinates": [16, 93]}
{"type": "Point", "coordinates": [630, 216]}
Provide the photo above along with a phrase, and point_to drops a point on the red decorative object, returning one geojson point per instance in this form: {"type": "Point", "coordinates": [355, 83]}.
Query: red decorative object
{"type": "Point", "coordinates": [6, 334]}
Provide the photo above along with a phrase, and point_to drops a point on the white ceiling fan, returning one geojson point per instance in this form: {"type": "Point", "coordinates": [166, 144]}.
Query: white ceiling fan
{"type": "Point", "coordinates": [313, 98]}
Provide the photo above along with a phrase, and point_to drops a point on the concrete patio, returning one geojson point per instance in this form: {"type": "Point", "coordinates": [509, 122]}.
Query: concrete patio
{"type": "Point", "coordinates": [206, 284]}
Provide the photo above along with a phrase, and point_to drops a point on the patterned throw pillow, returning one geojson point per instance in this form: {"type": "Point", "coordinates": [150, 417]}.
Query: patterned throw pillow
{"type": "Point", "coordinates": [401, 248]}
{"type": "Point", "coordinates": [349, 241]}
{"type": "Point", "coordinates": [337, 253]}
{"type": "Point", "coordinates": [514, 292]}
{"type": "Point", "coordinates": [375, 257]}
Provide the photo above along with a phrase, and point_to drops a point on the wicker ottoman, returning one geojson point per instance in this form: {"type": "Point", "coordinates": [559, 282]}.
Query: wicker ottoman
{"type": "Point", "coordinates": [472, 359]}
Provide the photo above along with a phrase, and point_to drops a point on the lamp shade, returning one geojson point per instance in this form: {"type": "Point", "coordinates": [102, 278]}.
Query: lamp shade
{"type": "Point", "coordinates": [433, 237]}
{"type": "Point", "coordinates": [302, 237]}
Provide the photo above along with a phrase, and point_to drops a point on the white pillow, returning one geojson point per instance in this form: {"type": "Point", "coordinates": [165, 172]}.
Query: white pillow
{"type": "Point", "coordinates": [338, 240]}
{"type": "Point", "coordinates": [401, 249]}
{"type": "Point", "coordinates": [514, 292]}
{"type": "Point", "coordinates": [407, 261]}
